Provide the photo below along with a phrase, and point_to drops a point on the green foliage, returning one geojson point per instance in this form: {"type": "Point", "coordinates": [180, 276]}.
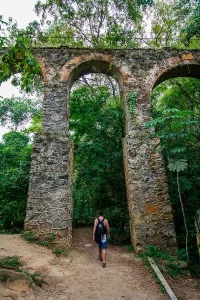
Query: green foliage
{"type": "Point", "coordinates": [177, 122]}
{"type": "Point", "coordinates": [174, 23]}
{"type": "Point", "coordinates": [154, 252]}
{"type": "Point", "coordinates": [191, 11]}
{"type": "Point", "coordinates": [52, 237]}
{"type": "Point", "coordinates": [15, 157]}
{"type": "Point", "coordinates": [13, 262]}
{"type": "Point", "coordinates": [97, 127]}
{"type": "Point", "coordinates": [16, 112]}
{"type": "Point", "coordinates": [35, 124]}
{"type": "Point", "coordinates": [181, 254]}
{"type": "Point", "coordinates": [165, 261]}
{"type": "Point", "coordinates": [129, 248]}
{"type": "Point", "coordinates": [166, 24]}
{"type": "Point", "coordinates": [132, 101]}
{"type": "Point", "coordinates": [37, 277]}
{"type": "Point", "coordinates": [119, 224]}
{"type": "Point", "coordinates": [177, 165]}
{"type": "Point", "coordinates": [29, 236]}
{"type": "Point", "coordinates": [93, 23]}
{"type": "Point", "coordinates": [18, 58]}
{"type": "Point", "coordinates": [175, 270]}
{"type": "Point", "coordinates": [60, 252]}
{"type": "Point", "coordinates": [43, 243]}
{"type": "Point", "coordinates": [10, 262]}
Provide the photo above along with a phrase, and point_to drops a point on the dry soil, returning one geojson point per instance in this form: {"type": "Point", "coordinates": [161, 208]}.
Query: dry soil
{"type": "Point", "coordinates": [80, 276]}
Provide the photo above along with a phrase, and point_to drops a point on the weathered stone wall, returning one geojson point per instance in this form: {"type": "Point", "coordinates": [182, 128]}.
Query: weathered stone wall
{"type": "Point", "coordinates": [50, 205]}
{"type": "Point", "coordinates": [49, 208]}
{"type": "Point", "coordinates": [151, 220]}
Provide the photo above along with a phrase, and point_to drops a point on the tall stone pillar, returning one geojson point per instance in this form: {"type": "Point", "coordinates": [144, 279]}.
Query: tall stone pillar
{"type": "Point", "coordinates": [151, 219]}
{"type": "Point", "coordinates": [49, 207]}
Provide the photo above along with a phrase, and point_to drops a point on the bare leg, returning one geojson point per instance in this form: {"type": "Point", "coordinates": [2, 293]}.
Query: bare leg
{"type": "Point", "coordinates": [104, 255]}
{"type": "Point", "coordinates": [100, 254]}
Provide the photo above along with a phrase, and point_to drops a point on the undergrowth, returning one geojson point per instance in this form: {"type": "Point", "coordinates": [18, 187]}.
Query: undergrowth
{"type": "Point", "coordinates": [10, 262]}
{"type": "Point", "coordinates": [168, 264]}
{"type": "Point", "coordinates": [31, 237]}
{"type": "Point", "coordinates": [60, 252]}
{"type": "Point", "coordinates": [14, 263]}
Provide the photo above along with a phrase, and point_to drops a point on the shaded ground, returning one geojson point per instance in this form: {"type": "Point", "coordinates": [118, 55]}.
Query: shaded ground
{"type": "Point", "coordinates": [80, 275]}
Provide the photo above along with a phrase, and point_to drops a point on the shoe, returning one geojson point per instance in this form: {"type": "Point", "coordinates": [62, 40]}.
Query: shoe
{"type": "Point", "coordinates": [103, 265]}
{"type": "Point", "coordinates": [100, 258]}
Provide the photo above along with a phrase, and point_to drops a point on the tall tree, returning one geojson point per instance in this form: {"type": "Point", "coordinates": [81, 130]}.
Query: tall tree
{"type": "Point", "coordinates": [191, 12]}
{"type": "Point", "coordinates": [16, 57]}
{"type": "Point", "coordinates": [15, 113]}
{"type": "Point", "coordinates": [96, 23]}
{"type": "Point", "coordinates": [176, 113]}
{"type": "Point", "coordinates": [174, 23]}
{"type": "Point", "coordinates": [15, 157]}
{"type": "Point", "coordinates": [97, 127]}
{"type": "Point", "coordinates": [165, 24]}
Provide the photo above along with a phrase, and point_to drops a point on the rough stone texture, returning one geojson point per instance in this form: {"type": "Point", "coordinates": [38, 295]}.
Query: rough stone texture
{"type": "Point", "coordinates": [50, 204]}
{"type": "Point", "coordinates": [49, 208]}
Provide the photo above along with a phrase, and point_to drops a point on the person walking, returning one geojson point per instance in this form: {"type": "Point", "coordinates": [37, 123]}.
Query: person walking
{"type": "Point", "coordinates": [101, 234]}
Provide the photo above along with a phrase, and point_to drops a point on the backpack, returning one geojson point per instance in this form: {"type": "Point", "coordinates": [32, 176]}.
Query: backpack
{"type": "Point", "coordinates": [100, 230]}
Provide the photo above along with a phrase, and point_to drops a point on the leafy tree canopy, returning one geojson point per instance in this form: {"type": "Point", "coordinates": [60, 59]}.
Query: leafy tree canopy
{"type": "Point", "coordinates": [15, 157]}
{"type": "Point", "coordinates": [191, 11]}
{"type": "Point", "coordinates": [174, 23]}
{"type": "Point", "coordinates": [16, 56]}
{"type": "Point", "coordinates": [176, 111]}
{"type": "Point", "coordinates": [97, 129]}
{"type": "Point", "coordinates": [15, 113]}
{"type": "Point", "coordinates": [94, 23]}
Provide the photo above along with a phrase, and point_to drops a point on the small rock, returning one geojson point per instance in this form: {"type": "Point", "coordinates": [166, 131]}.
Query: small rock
{"type": "Point", "coordinates": [87, 245]}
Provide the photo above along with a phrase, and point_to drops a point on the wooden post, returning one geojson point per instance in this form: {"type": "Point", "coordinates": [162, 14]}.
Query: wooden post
{"type": "Point", "coordinates": [197, 225]}
{"type": "Point", "coordinates": [162, 279]}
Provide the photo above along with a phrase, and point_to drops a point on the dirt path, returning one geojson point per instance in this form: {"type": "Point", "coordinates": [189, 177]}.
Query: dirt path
{"type": "Point", "coordinates": [79, 276]}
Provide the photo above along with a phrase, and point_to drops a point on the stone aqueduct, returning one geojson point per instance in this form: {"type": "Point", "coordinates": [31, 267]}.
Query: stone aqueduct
{"type": "Point", "coordinates": [50, 207]}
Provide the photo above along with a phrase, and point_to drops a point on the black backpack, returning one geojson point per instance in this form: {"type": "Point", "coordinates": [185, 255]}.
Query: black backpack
{"type": "Point", "coordinates": [100, 230]}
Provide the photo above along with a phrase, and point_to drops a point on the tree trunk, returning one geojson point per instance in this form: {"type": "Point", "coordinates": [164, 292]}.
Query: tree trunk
{"type": "Point", "coordinates": [184, 218]}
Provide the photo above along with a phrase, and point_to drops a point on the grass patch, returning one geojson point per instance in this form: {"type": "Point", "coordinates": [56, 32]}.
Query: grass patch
{"type": "Point", "coordinates": [59, 252]}
{"type": "Point", "coordinates": [10, 262]}
{"type": "Point", "coordinates": [36, 277]}
{"type": "Point", "coordinates": [14, 263]}
{"type": "Point", "coordinates": [43, 243]}
{"type": "Point", "coordinates": [129, 248]}
{"type": "Point", "coordinates": [52, 237]}
{"type": "Point", "coordinates": [30, 236]}
{"type": "Point", "coordinates": [166, 262]}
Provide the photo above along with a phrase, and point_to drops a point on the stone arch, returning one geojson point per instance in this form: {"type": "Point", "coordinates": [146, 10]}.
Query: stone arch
{"type": "Point", "coordinates": [49, 208]}
{"type": "Point", "coordinates": [186, 70]}
{"type": "Point", "coordinates": [185, 66]}
{"type": "Point", "coordinates": [95, 63]}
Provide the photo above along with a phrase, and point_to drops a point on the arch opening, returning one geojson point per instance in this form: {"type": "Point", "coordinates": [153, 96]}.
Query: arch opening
{"type": "Point", "coordinates": [95, 66]}
{"type": "Point", "coordinates": [99, 181]}
{"type": "Point", "coordinates": [187, 70]}
{"type": "Point", "coordinates": [176, 112]}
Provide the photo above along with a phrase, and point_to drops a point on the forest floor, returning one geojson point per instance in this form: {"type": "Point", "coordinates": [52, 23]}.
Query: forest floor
{"type": "Point", "coordinates": [80, 276]}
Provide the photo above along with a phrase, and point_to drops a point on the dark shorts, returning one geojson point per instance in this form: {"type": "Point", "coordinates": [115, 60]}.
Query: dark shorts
{"type": "Point", "coordinates": [102, 245]}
